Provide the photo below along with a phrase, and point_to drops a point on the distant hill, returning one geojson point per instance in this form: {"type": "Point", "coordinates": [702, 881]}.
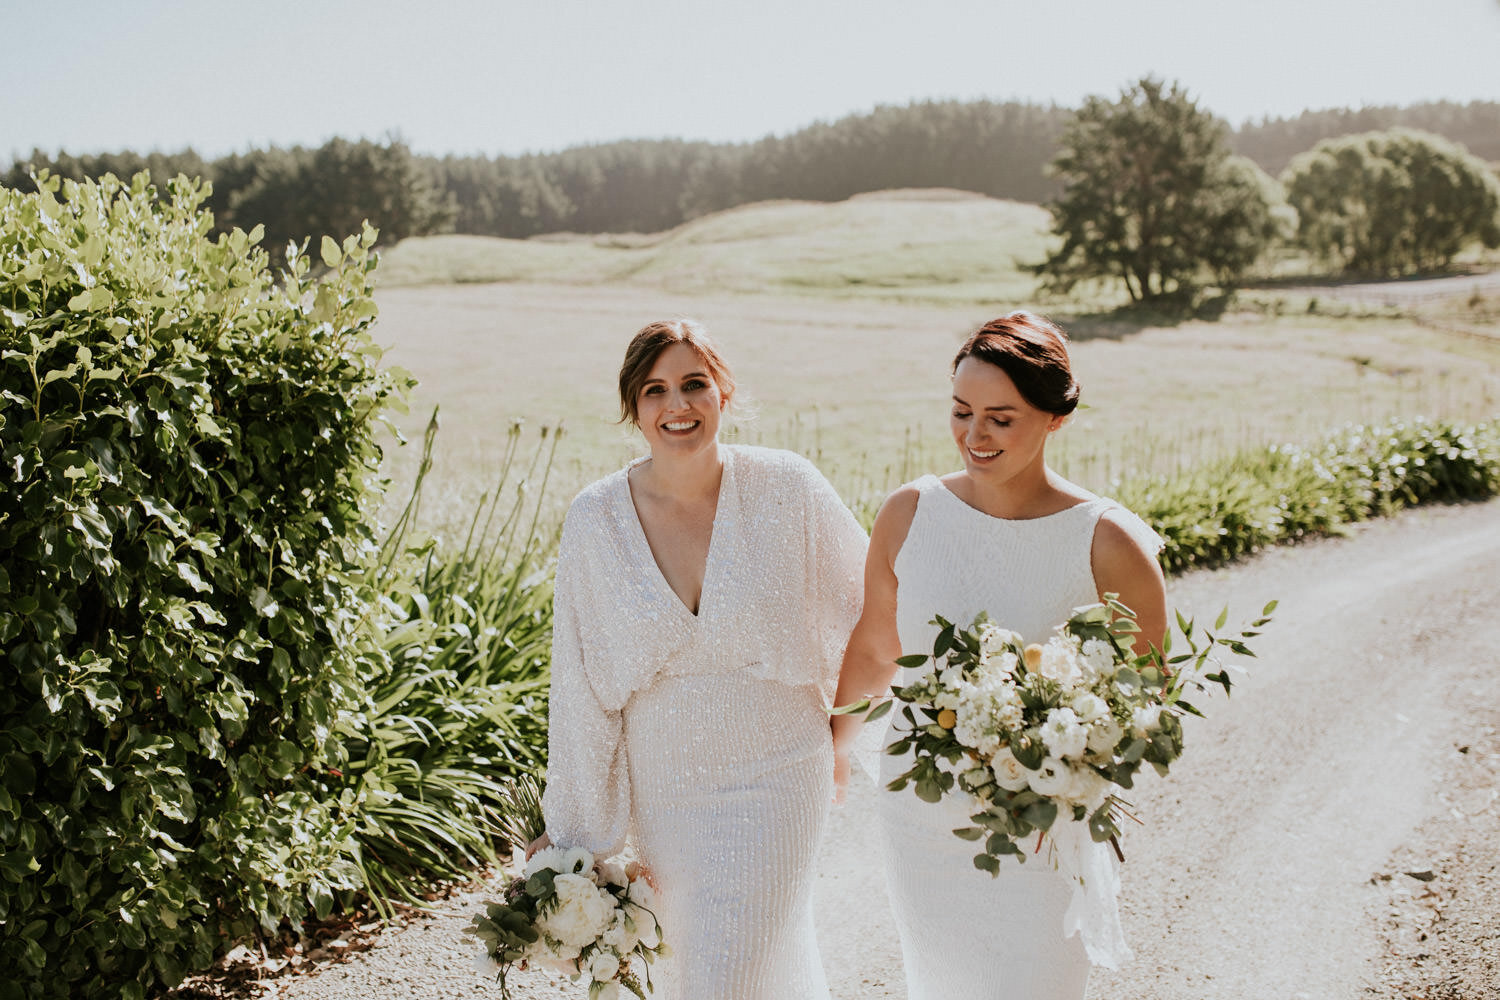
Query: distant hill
{"type": "Point", "coordinates": [917, 245]}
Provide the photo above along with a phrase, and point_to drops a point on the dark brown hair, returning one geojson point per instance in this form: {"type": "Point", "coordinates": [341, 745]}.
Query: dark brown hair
{"type": "Point", "coordinates": [1033, 351]}
{"type": "Point", "coordinates": [646, 346]}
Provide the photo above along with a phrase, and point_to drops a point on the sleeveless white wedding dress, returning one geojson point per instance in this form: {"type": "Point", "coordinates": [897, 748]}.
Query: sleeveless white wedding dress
{"type": "Point", "coordinates": [705, 737]}
{"type": "Point", "coordinates": [1031, 932]}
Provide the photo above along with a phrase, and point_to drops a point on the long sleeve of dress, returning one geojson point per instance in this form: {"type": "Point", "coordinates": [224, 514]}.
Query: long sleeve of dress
{"type": "Point", "coordinates": [836, 546]}
{"type": "Point", "coordinates": [587, 799]}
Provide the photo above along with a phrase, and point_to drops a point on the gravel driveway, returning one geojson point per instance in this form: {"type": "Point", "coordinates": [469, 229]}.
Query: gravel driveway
{"type": "Point", "coordinates": [1272, 864]}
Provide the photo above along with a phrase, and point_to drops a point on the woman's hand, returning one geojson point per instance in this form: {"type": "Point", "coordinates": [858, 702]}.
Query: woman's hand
{"type": "Point", "coordinates": [537, 845]}
{"type": "Point", "coordinates": [840, 776]}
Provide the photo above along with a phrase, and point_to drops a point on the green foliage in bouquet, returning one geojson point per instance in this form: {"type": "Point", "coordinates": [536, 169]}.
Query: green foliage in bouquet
{"type": "Point", "coordinates": [1031, 734]}
{"type": "Point", "coordinates": [188, 452]}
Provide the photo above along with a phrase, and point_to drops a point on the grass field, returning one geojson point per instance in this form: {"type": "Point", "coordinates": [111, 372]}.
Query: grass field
{"type": "Point", "coordinates": [841, 320]}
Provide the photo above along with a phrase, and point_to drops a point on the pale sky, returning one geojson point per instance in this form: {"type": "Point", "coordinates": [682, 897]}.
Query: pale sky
{"type": "Point", "coordinates": [469, 76]}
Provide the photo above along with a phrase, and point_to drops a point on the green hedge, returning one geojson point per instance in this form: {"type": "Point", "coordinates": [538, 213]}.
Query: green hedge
{"type": "Point", "coordinates": [187, 453]}
{"type": "Point", "coordinates": [1229, 509]}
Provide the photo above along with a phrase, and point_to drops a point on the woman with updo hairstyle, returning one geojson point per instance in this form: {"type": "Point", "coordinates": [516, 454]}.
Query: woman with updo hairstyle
{"type": "Point", "coordinates": [1008, 536]}
{"type": "Point", "coordinates": [703, 597]}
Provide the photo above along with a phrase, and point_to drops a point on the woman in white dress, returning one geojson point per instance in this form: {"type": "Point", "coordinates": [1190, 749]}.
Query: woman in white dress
{"type": "Point", "coordinates": [1005, 535]}
{"type": "Point", "coordinates": [703, 598]}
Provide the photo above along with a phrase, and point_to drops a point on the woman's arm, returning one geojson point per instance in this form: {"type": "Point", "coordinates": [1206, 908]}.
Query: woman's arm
{"type": "Point", "coordinates": [870, 656]}
{"type": "Point", "coordinates": [1124, 565]}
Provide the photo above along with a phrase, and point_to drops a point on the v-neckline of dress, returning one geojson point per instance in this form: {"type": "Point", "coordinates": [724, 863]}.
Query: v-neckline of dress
{"type": "Point", "coordinates": [726, 482]}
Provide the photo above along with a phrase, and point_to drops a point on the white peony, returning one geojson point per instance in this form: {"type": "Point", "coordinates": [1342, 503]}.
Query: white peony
{"type": "Point", "coordinates": [1064, 735]}
{"type": "Point", "coordinates": [582, 911]}
{"type": "Point", "coordinates": [1051, 779]}
{"type": "Point", "coordinates": [1010, 774]}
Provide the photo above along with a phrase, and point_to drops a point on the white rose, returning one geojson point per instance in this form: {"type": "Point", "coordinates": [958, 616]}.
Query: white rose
{"type": "Point", "coordinates": [609, 991]}
{"type": "Point", "coordinates": [582, 912]}
{"type": "Point", "coordinates": [1051, 779]}
{"type": "Point", "coordinates": [1063, 734]}
{"type": "Point", "coordinates": [603, 966]}
{"type": "Point", "coordinates": [1010, 774]}
{"type": "Point", "coordinates": [1089, 706]}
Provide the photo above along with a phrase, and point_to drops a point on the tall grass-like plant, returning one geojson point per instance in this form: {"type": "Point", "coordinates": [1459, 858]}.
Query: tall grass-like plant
{"type": "Point", "coordinates": [461, 704]}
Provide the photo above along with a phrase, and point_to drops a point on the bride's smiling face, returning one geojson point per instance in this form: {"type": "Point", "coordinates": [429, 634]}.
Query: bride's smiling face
{"type": "Point", "coordinates": [679, 407]}
{"type": "Point", "coordinates": [998, 433]}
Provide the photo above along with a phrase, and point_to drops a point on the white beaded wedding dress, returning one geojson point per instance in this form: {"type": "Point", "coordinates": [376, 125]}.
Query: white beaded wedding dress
{"type": "Point", "coordinates": [1031, 932]}
{"type": "Point", "coordinates": [705, 737]}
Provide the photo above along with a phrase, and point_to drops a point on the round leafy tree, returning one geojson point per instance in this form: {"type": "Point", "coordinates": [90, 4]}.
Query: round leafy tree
{"type": "Point", "coordinates": [1153, 198]}
{"type": "Point", "coordinates": [187, 450]}
{"type": "Point", "coordinates": [1394, 202]}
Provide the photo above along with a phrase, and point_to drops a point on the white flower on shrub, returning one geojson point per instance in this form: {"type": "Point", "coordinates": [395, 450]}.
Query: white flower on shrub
{"type": "Point", "coordinates": [582, 911]}
{"type": "Point", "coordinates": [1010, 774]}
{"type": "Point", "coordinates": [1064, 735]}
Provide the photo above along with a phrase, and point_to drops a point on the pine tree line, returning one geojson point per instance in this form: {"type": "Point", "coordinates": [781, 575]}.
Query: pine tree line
{"type": "Point", "coordinates": [994, 148]}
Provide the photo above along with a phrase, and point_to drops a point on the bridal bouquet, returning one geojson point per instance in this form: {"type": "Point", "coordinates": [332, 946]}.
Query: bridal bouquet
{"type": "Point", "coordinates": [572, 913]}
{"type": "Point", "coordinates": [1034, 733]}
